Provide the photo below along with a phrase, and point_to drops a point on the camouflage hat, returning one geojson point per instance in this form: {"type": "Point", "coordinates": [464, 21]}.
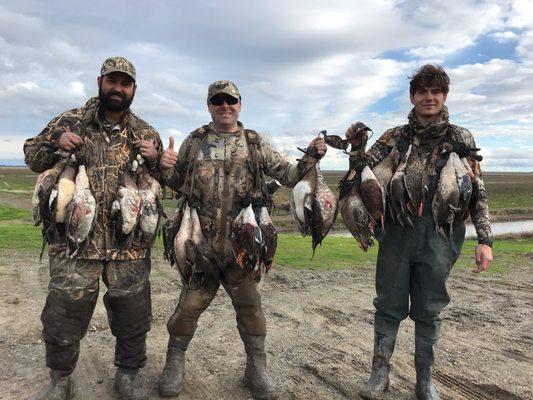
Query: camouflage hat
{"type": "Point", "coordinates": [225, 87]}
{"type": "Point", "coordinates": [118, 64]}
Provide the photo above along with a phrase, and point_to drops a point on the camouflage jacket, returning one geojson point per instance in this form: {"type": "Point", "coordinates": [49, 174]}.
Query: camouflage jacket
{"type": "Point", "coordinates": [480, 213]}
{"type": "Point", "coordinates": [221, 174]}
{"type": "Point", "coordinates": [106, 151]}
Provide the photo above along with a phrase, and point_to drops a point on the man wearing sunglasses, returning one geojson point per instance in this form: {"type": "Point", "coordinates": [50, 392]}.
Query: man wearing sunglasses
{"type": "Point", "coordinates": [220, 169]}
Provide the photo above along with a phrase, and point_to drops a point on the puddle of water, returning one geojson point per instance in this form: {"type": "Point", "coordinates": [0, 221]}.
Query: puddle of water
{"type": "Point", "coordinates": [498, 228]}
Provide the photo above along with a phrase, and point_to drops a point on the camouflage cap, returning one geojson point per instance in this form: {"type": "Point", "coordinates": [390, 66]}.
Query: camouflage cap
{"type": "Point", "coordinates": [226, 87]}
{"type": "Point", "coordinates": [118, 64]}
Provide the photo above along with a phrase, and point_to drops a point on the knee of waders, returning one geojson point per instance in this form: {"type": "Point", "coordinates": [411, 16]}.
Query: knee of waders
{"type": "Point", "coordinates": [129, 315]}
{"type": "Point", "coordinates": [66, 315]}
{"type": "Point", "coordinates": [192, 304]}
{"type": "Point", "coordinates": [250, 317]}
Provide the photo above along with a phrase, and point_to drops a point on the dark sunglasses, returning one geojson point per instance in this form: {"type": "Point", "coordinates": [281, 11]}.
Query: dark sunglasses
{"type": "Point", "coordinates": [218, 100]}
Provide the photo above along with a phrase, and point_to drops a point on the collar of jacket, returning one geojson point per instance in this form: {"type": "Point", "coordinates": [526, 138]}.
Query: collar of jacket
{"type": "Point", "coordinates": [239, 125]}
{"type": "Point", "coordinates": [91, 110]}
{"type": "Point", "coordinates": [432, 132]}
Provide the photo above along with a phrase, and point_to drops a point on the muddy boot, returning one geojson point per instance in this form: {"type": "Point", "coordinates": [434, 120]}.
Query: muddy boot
{"type": "Point", "coordinates": [256, 376]}
{"type": "Point", "coordinates": [424, 359]}
{"type": "Point", "coordinates": [171, 380]}
{"type": "Point", "coordinates": [128, 385]}
{"type": "Point", "coordinates": [378, 383]}
{"type": "Point", "coordinates": [60, 388]}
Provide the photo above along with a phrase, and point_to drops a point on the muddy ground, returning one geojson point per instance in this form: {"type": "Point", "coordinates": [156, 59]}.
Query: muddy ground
{"type": "Point", "coordinates": [319, 344]}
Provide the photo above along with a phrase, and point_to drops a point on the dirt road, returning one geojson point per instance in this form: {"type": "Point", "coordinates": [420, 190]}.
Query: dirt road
{"type": "Point", "coordinates": [319, 343]}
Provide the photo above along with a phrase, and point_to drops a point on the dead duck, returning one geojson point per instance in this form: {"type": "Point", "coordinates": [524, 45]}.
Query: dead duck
{"type": "Point", "coordinates": [81, 214]}
{"type": "Point", "coordinates": [125, 210]}
{"type": "Point", "coordinates": [373, 195]}
{"type": "Point", "coordinates": [414, 181]}
{"type": "Point", "coordinates": [302, 198]}
{"type": "Point", "coordinates": [384, 172]}
{"type": "Point", "coordinates": [398, 194]}
{"type": "Point", "coordinates": [183, 236]}
{"type": "Point", "coordinates": [446, 199]}
{"type": "Point", "coordinates": [66, 185]}
{"type": "Point", "coordinates": [44, 186]}
{"type": "Point", "coordinates": [197, 248]}
{"type": "Point", "coordinates": [270, 238]}
{"type": "Point", "coordinates": [170, 230]}
{"type": "Point", "coordinates": [247, 239]}
{"type": "Point", "coordinates": [325, 210]}
{"type": "Point", "coordinates": [151, 206]}
{"type": "Point", "coordinates": [356, 217]}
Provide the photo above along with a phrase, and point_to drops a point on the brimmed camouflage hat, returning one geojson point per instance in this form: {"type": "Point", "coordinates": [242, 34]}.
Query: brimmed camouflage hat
{"type": "Point", "coordinates": [225, 87]}
{"type": "Point", "coordinates": [118, 64]}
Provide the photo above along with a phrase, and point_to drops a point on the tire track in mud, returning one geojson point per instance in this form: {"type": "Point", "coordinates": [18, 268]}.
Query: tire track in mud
{"type": "Point", "coordinates": [460, 389]}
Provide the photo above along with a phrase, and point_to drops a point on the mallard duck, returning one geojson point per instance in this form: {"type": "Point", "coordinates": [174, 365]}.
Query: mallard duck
{"type": "Point", "coordinates": [247, 239]}
{"type": "Point", "coordinates": [81, 214]}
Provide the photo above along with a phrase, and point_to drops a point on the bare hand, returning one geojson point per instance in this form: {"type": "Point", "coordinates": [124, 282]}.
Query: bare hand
{"type": "Point", "coordinates": [483, 257]}
{"type": "Point", "coordinates": [69, 141]}
{"type": "Point", "coordinates": [169, 156]}
{"type": "Point", "coordinates": [319, 146]}
{"type": "Point", "coordinates": [146, 149]}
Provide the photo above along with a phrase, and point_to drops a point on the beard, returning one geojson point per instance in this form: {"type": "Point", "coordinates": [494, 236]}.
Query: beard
{"type": "Point", "coordinates": [112, 104]}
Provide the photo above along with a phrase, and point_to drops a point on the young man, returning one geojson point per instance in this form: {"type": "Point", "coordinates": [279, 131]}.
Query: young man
{"type": "Point", "coordinates": [415, 261]}
{"type": "Point", "coordinates": [103, 134]}
{"type": "Point", "coordinates": [225, 164]}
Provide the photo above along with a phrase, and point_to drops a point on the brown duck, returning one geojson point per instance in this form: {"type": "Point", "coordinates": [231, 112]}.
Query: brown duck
{"type": "Point", "coordinates": [446, 199]}
{"type": "Point", "coordinates": [270, 238]}
{"type": "Point", "coordinates": [398, 194]}
{"type": "Point", "coordinates": [247, 239]}
{"type": "Point", "coordinates": [325, 208]}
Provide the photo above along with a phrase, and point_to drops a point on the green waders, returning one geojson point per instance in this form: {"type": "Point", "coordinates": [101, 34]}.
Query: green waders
{"type": "Point", "coordinates": [412, 268]}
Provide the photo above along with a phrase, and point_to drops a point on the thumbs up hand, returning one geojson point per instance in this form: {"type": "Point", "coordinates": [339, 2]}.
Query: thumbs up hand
{"type": "Point", "coordinates": [169, 156]}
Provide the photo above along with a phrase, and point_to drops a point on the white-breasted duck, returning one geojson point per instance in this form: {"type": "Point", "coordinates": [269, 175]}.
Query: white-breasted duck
{"type": "Point", "coordinates": [81, 213]}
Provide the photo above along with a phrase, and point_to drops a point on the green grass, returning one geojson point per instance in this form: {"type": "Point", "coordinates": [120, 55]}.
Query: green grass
{"type": "Point", "coordinates": [8, 213]}
{"type": "Point", "coordinates": [294, 251]}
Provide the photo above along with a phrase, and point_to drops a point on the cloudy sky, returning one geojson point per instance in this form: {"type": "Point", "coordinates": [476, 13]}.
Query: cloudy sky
{"type": "Point", "coordinates": [301, 65]}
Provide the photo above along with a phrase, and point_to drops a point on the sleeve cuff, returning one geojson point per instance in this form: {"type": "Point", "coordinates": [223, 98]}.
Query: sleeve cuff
{"type": "Point", "coordinates": [486, 241]}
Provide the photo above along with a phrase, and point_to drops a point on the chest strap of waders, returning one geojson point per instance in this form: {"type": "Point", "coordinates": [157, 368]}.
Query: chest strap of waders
{"type": "Point", "coordinates": [255, 164]}
{"type": "Point", "coordinates": [187, 188]}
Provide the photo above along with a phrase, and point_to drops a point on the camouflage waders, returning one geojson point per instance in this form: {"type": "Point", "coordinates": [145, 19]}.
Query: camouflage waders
{"type": "Point", "coordinates": [72, 296]}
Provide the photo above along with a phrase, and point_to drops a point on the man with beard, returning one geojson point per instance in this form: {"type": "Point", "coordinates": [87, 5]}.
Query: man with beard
{"type": "Point", "coordinates": [220, 170]}
{"type": "Point", "coordinates": [106, 137]}
{"type": "Point", "coordinates": [417, 248]}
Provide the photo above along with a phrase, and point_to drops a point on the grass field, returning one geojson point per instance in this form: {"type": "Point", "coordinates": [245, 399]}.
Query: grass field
{"type": "Point", "coordinates": [18, 233]}
{"type": "Point", "coordinates": [506, 190]}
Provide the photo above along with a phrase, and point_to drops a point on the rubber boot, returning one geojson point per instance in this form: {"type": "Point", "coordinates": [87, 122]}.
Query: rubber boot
{"type": "Point", "coordinates": [424, 360]}
{"type": "Point", "coordinates": [378, 383]}
{"type": "Point", "coordinates": [128, 385]}
{"type": "Point", "coordinates": [256, 376]}
{"type": "Point", "coordinates": [171, 380]}
{"type": "Point", "coordinates": [60, 388]}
